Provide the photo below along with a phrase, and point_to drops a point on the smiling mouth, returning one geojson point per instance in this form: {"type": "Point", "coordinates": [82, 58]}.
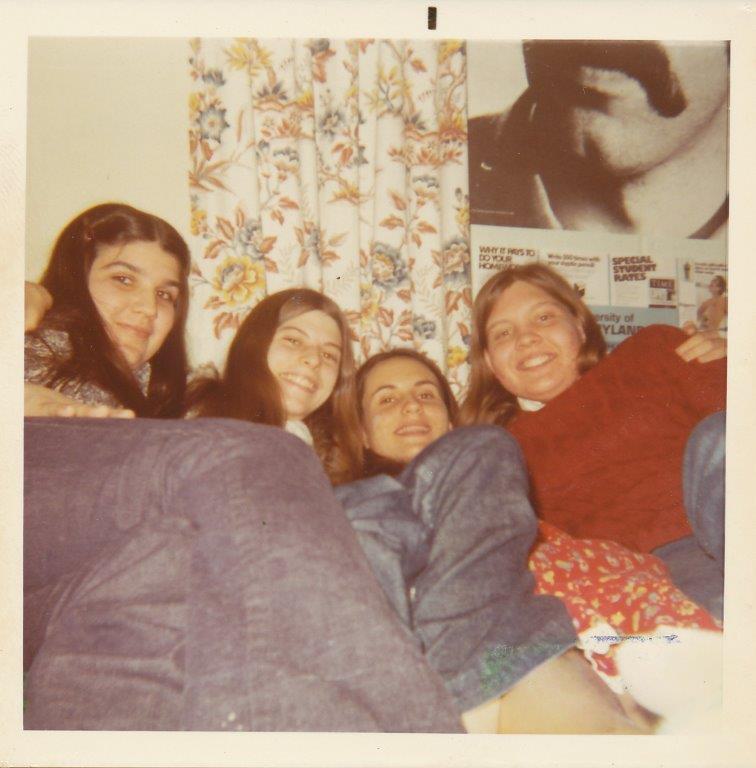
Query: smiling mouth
{"type": "Point", "coordinates": [142, 333]}
{"type": "Point", "coordinates": [302, 382]}
{"type": "Point", "coordinates": [535, 361]}
{"type": "Point", "coordinates": [412, 430]}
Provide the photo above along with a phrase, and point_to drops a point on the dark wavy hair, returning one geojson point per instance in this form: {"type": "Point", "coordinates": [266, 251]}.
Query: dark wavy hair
{"type": "Point", "coordinates": [94, 357]}
{"type": "Point", "coordinates": [248, 390]}
{"type": "Point", "coordinates": [369, 462]}
{"type": "Point", "coordinates": [487, 402]}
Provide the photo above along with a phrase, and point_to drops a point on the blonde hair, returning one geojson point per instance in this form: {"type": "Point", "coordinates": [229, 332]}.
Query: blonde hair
{"type": "Point", "coordinates": [487, 402]}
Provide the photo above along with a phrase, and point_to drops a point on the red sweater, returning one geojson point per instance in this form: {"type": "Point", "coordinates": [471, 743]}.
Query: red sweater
{"type": "Point", "coordinates": [605, 457]}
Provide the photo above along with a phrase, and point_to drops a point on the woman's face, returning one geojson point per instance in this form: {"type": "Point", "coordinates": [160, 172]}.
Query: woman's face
{"type": "Point", "coordinates": [716, 288]}
{"type": "Point", "coordinates": [403, 409]}
{"type": "Point", "coordinates": [305, 358]}
{"type": "Point", "coordinates": [135, 288]}
{"type": "Point", "coordinates": [532, 343]}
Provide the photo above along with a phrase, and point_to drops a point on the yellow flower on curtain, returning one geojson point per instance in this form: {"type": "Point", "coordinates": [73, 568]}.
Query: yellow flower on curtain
{"type": "Point", "coordinates": [198, 223]}
{"type": "Point", "coordinates": [237, 281]}
{"type": "Point", "coordinates": [456, 356]}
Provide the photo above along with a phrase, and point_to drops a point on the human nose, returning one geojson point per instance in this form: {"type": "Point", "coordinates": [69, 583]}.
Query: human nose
{"type": "Point", "coordinates": [525, 337]}
{"type": "Point", "coordinates": [146, 303]}
{"type": "Point", "coordinates": [411, 405]}
{"type": "Point", "coordinates": [311, 357]}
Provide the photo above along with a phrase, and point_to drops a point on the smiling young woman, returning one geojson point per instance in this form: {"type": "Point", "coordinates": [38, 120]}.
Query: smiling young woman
{"type": "Point", "coordinates": [605, 436]}
{"type": "Point", "coordinates": [405, 403]}
{"type": "Point", "coordinates": [444, 519]}
{"type": "Point", "coordinates": [290, 365]}
{"type": "Point", "coordinates": [135, 288]}
{"type": "Point", "coordinates": [304, 357]}
{"type": "Point", "coordinates": [533, 343]}
{"type": "Point", "coordinates": [113, 343]}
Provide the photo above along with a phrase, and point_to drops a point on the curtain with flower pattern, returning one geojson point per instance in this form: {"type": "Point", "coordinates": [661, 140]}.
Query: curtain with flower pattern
{"type": "Point", "coordinates": [340, 165]}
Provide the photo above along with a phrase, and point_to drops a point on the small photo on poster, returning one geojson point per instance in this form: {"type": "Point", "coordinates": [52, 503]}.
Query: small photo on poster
{"type": "Point", "coordinates": [711, 295]}
{"type": "Point", "coordinates": [703, 290]}
{"type": "Point", "coordinates": [662, 292]}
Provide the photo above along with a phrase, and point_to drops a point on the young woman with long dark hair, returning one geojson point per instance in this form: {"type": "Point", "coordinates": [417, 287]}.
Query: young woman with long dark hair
{"type": "Point", "coordinates": [113, 342]}
{"type": "Point", "coordinates": [290, 365]}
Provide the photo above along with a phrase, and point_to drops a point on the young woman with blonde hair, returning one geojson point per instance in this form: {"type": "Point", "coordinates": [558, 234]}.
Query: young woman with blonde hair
{"type": "Point", "coordinates": [627, 446]}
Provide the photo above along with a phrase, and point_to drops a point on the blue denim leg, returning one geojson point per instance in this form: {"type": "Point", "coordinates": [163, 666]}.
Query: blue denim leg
{"type": "Point", "coordinates": [200, 575]}
{"type": "Point", "coordinates": [696, 562]}
{"type": "Point", "coordinates": [472, 603]}
{"type": "Point", "coordinates": [704, 484]}
{"type": "Point", "coordinates": [394, 539]}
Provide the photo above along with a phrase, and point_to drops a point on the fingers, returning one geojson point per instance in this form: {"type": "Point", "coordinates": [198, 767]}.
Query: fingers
{"type": "Point", "coordinates": [94, 411]}
{"type": "Point", "coordinates": [715, 354]}
{"type": "Point", "coordinates": [42, 401]}
{"type": "Point", "coordinates": [704, 346]}
{"type": "Point", "coordinates": [689, 327]}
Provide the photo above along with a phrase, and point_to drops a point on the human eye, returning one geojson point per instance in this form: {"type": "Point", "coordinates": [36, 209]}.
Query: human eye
{"type": "Point", "coordinates": [331, 357]}
{"type": "Point", "coordinates": [126, 280]}
{"type": "Point", "coordinates": [500, 334]}
{"type": "Point", "coordinates": [169, 297]}
{"type": "Point", "coordinates": [292, 341]}
{"type": "Point", "coordinates": [386, 399]}
{"type": "Point", "coordinates": [428, 394]}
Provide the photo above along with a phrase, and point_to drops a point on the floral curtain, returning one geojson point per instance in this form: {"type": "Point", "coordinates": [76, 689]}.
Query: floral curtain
{"type": "Point", "coordinates": [340, 165]}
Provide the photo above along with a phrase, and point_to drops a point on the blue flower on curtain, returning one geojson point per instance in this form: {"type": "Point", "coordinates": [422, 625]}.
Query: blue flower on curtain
{"type": "Point", "coordinates": [389, 270]}
{"type": "Point", "coordinates": [424, 328]}
{"type": "Point", "coordinates": [212, 123]}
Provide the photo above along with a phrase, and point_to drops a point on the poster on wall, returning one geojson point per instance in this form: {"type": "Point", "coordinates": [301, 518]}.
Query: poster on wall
{"type": "Point", "coordinates": [703, 293]}
{"type": "Point", "coordinates": [608, 161]}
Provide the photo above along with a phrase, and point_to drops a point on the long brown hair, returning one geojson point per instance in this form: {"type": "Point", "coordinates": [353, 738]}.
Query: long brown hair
{"type": "Point", "coordinates": [248, 390]}
{"type": "Point", "coordinates": [487, 402]}
{"type": "Point", "coordinates": [369, 462]}
{"type": "Point", "coordinates": [94, 357]}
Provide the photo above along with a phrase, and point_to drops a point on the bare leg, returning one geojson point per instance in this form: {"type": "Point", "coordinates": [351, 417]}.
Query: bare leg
{"type": "Point", "coordinates": [564, 695]}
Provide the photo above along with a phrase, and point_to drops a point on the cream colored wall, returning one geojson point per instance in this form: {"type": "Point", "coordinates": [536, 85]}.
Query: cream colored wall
{"type": "Point", "coordinates": [106, 122]}
{"type": "Point", "coordinates": [495, 75]}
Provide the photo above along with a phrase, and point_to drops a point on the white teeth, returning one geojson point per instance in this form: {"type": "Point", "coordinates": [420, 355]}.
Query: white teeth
{"type": "Point", "coordinates": [534, 362]}
{"type": "Point", "coordinates": [413, 429]}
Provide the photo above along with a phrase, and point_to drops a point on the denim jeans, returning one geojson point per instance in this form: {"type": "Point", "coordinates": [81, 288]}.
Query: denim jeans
{"type": "Point", "coordinates": [449, 540]}
{"type": "Point", "coordinates": [200, 575]}
{"type": "Point", "coordinates": [697, 562]}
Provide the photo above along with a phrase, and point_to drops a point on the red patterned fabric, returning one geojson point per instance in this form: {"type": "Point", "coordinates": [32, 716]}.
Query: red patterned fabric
{"type": "Point", "coordinates": [613, 595]}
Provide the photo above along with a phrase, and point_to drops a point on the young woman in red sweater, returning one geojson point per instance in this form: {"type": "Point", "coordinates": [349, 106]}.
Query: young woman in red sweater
{"type": "Point", "coordinates": [606, 438]}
